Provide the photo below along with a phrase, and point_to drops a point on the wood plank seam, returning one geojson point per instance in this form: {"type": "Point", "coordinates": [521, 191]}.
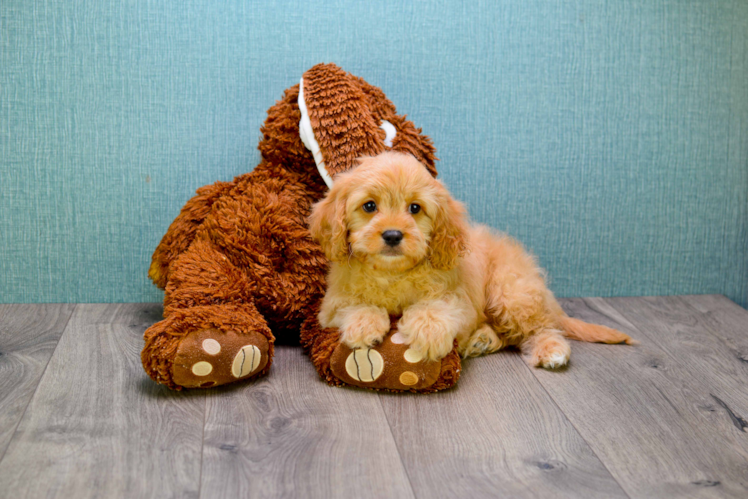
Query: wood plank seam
{"type": "Point", "coordinates": [33, 393]}
{"type": "Point", "coordinates": [397, 446]}
{"type": "Point", "coordinates": [739, 422]}
{"type": "Point", "coordinates": [736, 420]}
{"type": "Point", "coordinates": [580, 434]}
{"type": "Point", "coordinates": [486, 439]}
{"type": "Point", "coordinates": [622, 464]}
{"type": "Point", "coordinates": [742, 357]}
{"type": "Point", "coordinates": [259, 442]}
{"type": "Point", "coordinates": [633, 323]}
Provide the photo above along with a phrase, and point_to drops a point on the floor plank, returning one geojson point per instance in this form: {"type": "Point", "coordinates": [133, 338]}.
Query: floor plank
{"type": "Point", "coordinates": [97, 426]}
{"type": "Point", "coordinates": [725, 319]}
{"type": "Point", "coordinates": [291, 435]}
{"type": "Point", "coordinates": [497, 434]}
{"type": "Point", "coordinates": [648, 411]}
{"type": "Point", "coordinates": [706, 347]}
{"type": "Point", "coordinates": [666, 418]}
{"type": "Point", "coordinates": [28, 336]}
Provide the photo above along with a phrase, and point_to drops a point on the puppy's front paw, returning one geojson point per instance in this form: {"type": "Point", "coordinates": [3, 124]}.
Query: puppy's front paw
{"type": "Point", "coordinates": [428, 334]}
{"type": "Point", "coordinates": [364, 326]}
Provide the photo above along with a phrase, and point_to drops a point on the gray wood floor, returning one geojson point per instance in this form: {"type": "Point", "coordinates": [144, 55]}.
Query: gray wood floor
{"type": "Point", "coordinates": [667, 418]}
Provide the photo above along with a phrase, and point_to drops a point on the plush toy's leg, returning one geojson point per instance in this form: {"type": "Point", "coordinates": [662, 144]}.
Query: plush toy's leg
{"type": "Point", "coordinates": [205, 346]}
{"type": "Point", "coordinates": [212, 333]}
{"type": "Point", "coordinates": [251, 264]}
{"type": "Point", "coordinates": [388, 366]}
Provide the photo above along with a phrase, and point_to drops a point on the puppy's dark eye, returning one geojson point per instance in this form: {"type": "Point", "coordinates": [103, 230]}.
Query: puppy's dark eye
{"type": "Point", "coordinates": [414, 208]}
{"type": "Point", "coordinates": [369, 207]}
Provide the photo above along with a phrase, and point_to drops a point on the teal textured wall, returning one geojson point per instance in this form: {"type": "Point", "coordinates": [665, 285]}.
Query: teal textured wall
{"type": "Point", "coordinates": [610, 137]}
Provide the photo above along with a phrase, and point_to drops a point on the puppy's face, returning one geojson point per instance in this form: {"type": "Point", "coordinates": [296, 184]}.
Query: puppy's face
{"type": "Point", "coordinates": [391, 214]}
{"type": "Point", "coordinates": [388, 213]}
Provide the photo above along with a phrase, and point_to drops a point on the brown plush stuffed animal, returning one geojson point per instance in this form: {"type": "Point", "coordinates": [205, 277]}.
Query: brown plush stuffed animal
{"type": "Point", "coordinates": [238, 264]}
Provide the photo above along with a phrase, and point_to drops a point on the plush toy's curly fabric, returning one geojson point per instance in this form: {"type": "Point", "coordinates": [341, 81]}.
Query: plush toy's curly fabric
{"type": "Point", "coordinates": [238, 265]}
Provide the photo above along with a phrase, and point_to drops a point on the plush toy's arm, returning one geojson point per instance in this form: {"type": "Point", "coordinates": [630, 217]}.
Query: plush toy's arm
{"type": "Point", "coordinates": [182, 231]}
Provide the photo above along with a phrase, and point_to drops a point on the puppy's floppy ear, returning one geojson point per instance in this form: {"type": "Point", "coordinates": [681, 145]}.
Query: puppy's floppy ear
{"type": "Point", "coordinates": [449, 231]}
{"type": "Point", "coordinates": [327, 223]}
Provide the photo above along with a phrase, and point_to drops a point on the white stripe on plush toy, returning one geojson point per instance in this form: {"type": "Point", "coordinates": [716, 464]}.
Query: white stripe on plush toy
{"type": "Point", "coordinates": [389, 132]}
{"type": "Point", "coordinates": [306, 132]}
{"type": "Point", "coordinates": [307, 137]}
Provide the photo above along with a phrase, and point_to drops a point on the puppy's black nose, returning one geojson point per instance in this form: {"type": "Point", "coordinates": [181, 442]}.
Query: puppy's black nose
{"type": "Point", "coordinates": [392, 237]}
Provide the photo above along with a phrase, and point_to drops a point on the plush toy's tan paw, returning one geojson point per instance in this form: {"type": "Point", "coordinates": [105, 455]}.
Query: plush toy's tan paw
{"type": "Point", "coordinates": [390, 365]}
{"type": "Point", "coordinates": [207, 358]}
{"type": "Point", "coordinates": [364, 365]}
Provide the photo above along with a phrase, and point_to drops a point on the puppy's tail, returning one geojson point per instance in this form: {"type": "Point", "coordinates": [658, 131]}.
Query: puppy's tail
{"type": "Point", "coordinates": [576, 329]}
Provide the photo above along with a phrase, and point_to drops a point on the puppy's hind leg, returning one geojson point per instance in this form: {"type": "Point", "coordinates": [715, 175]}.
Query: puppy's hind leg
{"type": "Point", "coordinates": [546, 348]}
{"type": "Point", "coordinates": [483, 340]}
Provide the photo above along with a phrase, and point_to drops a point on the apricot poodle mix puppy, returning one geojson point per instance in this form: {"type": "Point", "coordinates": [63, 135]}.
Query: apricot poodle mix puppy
{"type": "Point", "coordinates": [399, 244]}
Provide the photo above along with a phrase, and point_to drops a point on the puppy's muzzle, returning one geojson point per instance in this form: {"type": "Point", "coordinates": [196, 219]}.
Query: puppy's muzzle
{"type": "Point", "coordinates": [392, 237]}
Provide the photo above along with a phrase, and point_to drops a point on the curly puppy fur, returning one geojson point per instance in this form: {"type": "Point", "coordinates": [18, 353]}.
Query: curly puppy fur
{"type": "Point", "coordinates": [400, 244]}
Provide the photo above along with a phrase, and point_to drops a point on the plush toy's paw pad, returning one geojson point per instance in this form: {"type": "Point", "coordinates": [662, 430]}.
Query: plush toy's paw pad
{"type": "Point", "coordinates": [364, 365]}
{"type": "Point", "coordinates": [408, 378]}
{"type": "Point", "coordinates": [413, 356]}
{"type": "Point", "coordinates": [246, 361]}
{"type": "Point", "coordinates": [207, 358]}
{"type": "Point", "coordinates": [389, 365]}
{"type": "Point", "coordinates": [211, 346]}
{"type": "Point", "coordinates": [202, 368]}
